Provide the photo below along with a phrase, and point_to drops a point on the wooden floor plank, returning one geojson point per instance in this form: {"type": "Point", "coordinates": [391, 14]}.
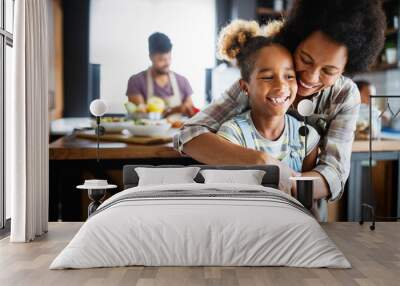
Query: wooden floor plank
{"type": "Point", "coordinates": [374, 255]}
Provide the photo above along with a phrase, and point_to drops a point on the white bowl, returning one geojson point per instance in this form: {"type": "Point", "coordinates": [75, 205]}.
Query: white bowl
{"type": "Point", "coordinates": [149, 130]}
{"type": "Point", "coordinates": [113, 126]}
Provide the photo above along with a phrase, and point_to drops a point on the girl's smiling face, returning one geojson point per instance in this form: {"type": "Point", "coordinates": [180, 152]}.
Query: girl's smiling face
{"type": "Point", "coordinates": [272, 85]}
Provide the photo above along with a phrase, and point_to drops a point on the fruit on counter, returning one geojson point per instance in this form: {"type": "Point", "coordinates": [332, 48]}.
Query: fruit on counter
{"type": "Point", "coordinates": [130, 107]}
{"type": "Point", "coordinates": [195, 110]}
{"type": "Point", "coordinates": [141, 108]}
{"type": "Point", "coordinates": [155, 104]}
{"type": "Point", "coordinates": [175, 123]}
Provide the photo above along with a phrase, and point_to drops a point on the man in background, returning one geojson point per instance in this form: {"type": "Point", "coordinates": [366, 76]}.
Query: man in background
{"type": "Point", "coordinates": [160, 82]}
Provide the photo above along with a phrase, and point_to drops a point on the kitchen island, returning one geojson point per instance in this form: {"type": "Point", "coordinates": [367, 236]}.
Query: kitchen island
{"type": "Point", "coordinates": [73, 159]}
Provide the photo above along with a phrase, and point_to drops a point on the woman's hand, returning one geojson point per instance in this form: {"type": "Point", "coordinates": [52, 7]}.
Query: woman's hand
{"type": "Point", "coordinates": [320, 186]}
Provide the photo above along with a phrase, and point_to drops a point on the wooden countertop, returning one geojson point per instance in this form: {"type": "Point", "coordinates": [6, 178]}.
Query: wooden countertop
{"type": "Point", "coordinates": [72, 148]}
{"type": "Point", "coordinates": [377, 145]}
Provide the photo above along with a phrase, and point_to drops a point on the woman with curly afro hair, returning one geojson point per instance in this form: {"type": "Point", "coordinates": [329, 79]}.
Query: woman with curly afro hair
{"type": "Point", "coordinates": [329, 40]}
{"type": "Point", "coordinates": [266, 126]}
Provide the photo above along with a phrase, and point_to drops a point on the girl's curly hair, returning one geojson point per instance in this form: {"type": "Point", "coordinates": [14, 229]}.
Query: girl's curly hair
{"type": "Point", "coordinates": [240, 41]}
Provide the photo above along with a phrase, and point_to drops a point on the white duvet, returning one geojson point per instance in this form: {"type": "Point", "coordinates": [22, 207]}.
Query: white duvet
{"type": "Point", "coordinates": [185, 230]}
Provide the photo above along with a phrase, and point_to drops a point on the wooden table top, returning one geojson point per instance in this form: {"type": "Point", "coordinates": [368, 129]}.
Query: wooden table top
{"type": "Point", "coordinates": [72, 148]}
{"type": "Point", "coordinates": [377, 145]}
{"type": "Point", "coordinates": [374, 256]}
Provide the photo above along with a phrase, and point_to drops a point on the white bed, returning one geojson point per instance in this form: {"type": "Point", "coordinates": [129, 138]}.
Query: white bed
{"type": "Point", "coordinates": [201, 224]}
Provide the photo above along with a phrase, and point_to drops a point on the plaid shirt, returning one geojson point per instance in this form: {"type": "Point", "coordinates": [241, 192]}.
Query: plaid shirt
{"type": "Point", "coordinates": [338, 104]}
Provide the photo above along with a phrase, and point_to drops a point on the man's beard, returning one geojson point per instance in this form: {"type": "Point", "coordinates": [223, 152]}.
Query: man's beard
{"type": "Point", "coordinates": [162, 71]}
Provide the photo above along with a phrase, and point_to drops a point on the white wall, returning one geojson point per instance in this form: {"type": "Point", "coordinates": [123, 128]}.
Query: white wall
{"type": "Point", "coordinates": [118, 41]}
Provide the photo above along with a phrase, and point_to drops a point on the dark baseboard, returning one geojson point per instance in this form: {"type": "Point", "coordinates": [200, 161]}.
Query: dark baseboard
{"type": "Point", "coordinates": [5, 231]}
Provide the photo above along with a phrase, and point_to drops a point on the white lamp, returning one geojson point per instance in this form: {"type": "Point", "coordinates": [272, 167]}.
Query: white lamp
{"type": "Point", "coordinates": [97, 188]}
{"type": "Point", "coordinates": [305, 107]}
{"type": "Point", "coordinates": [98, 108]}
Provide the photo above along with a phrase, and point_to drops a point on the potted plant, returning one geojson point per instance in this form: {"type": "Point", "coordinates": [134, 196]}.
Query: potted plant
{"type": "Point", "coordinates": [390, 52]}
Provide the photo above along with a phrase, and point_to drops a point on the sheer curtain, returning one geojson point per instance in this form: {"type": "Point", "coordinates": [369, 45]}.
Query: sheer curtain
{"type": "Point", "coordinates": [27, 137]}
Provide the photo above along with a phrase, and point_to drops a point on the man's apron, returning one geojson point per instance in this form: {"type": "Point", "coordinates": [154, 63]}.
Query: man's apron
{"type": "Point", "coordinates": [171, 101]}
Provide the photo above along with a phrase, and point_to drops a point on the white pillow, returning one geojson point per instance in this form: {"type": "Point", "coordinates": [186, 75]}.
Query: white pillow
{"type": "Point", "coordinates": [166, 176]}
{"type": "Point", "coordinates": [248, 177]}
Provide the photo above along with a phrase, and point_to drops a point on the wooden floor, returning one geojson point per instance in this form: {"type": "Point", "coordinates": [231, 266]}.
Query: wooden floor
{"type": "Point", "coordinates": [375, 257]}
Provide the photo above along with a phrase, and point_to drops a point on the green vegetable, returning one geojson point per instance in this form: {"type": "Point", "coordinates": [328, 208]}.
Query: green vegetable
{"type": "Point", "coordinates": [130, 107]}
{"type": "Point", "coordinates": [390, 45]}
{"type": "Point", "coordinates": [139, 122]}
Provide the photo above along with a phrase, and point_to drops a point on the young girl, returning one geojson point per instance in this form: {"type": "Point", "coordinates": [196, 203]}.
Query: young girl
{"type": "Point", "coordinates": [268, 79]}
